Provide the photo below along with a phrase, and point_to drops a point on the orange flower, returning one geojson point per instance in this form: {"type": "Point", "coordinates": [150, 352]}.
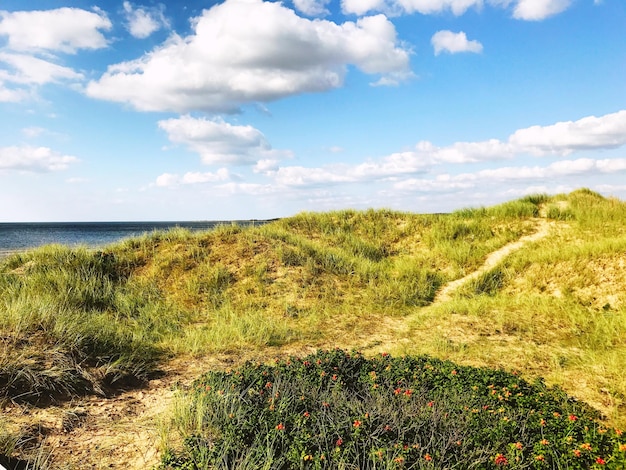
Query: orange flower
{"type": "Point", "coordinates": [408, 392]}
{"type": "Point", "coordinates": [540, 458]}
{"type": "Point", "coordinates": [356, 423]}
{"type": "Point", "coordinates": [501, 460]}
{"type": "Point", "coordinates": [544, 442]}
{"type": "Point", "coordinates": [399, 459]}
{"type": "Point", "coordinates": [572, 418]}
{"type": "Point", "coordinates": [586, 446]}
{"type": "Point", "coordinates": [428, 458]}
{"type": "Point", "coordinates": [431, 403]}
{"type": "Point", "coordinates": [307, 414]}
{"type": "Point", "coordinates": [600, 461]}
{"type": "Point", "coordinates": [519, 446]}
{"type": "Point", "coordinates": [339, 442]}
{"type": "Point", "coordinates": [397, 391]}
{"type": "Point", "coordinates": [280, 426]}
{"type": "Point", "coordinates": [622, 447]}
{"type": "Point", "coordinates": [577, 453]}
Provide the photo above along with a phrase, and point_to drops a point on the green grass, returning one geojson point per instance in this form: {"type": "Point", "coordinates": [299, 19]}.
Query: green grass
{"type": "Point", "coordinates": [78, 321]}
{"type": "Point", "coordinates": [340, 410]}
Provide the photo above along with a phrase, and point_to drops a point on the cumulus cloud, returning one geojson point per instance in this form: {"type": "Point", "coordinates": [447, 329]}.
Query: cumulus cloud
{"type": "Point", "coordinates": [534, 10]}
{"type": "Point", "coordinates": [36, 159]}
{"type": "Point", "coordinates": [560, 169]}
{"type": "Point", "coordinates": [530, 10]}
{"type": "Point", "coordinates": [312, 7]}
{"type": "Point", "coordinates": [232, 58]}
{"type": "Point", "coordinates": [560, 139]}
{"type": "Point", "coordinates": [218, 142]}
{"type": "Point", "coordinates": [608, 131]}
{"type": "Point", "coordinates": [12, 95]}
{"type": "Point", "coordinates": [141, 22]}
{"type": "Point", "coordinates": [190, 178]}
{"type": "Point", "coordinates": [447, 41]}
{"type": "Point", "coordinates": [26, 69]}
{"type": "Point", "coordinates": [33, 131]}
{"type": "Point", "coordinates": [396, 7]}
{"type": "Point", "coordinates": [64, 29]}
{"type": "Point", "coordinates": [21, 74]}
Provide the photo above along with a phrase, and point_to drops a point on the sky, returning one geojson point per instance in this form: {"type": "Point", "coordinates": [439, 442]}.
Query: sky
{"type": "Point", "coordinates": [241, 109]}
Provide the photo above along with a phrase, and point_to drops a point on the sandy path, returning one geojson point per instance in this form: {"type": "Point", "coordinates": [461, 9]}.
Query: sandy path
{"type": "Point", "coordinates": [493, 259]}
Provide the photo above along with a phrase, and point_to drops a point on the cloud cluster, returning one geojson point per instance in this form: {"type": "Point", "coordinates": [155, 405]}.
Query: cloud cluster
{"type": "Point", "coordinates": [232, 58]}
{"type": "Point", "coordinates": [564, 168]}
{"type": "Point", "coordinates": [530, 10]}
{"type": "Point", "coordinates": [222, 143]}
{"type": "Point", "coordinates": [36, 159]}
{"type": "Point", "coordinates": [535, 10]}
{"type": "Point", "coordinates": [218, 142]}
{"type": "Point", "coordinates": [312, 7]}
{"type": "Point", "coordinates": [62, 30]}
{"type": "Point", "coordinates": [33, 39]}
{"type": "Point", "coordinates": [447, 41]}
{"type": "Point", "coordinates": [172, 179]}
{"type": "Point", "coordinates": [141, 22]}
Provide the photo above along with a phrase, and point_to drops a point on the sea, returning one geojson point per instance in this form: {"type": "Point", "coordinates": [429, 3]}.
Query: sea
{"type": "Point", "coordinates": [18, 237]}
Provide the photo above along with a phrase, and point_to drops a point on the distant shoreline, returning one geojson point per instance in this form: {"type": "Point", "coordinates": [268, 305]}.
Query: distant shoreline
{"type": "Point", "coordinates": [20, 237]}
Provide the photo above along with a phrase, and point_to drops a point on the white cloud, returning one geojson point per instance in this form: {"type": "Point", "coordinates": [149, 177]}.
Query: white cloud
{"type": "Point", "coordinates": [21, 74]}
{"type": "Point", "coordinates": [218, 142]}
{"type": "Point", "coordinates": [530, 10]}
{"type": "Point", "coordinates": [232, 58]}
{"type": "Point", "coordinates": [447, 41]}
{"type": "Point", "coordinates": [312, 7]}
{"type": "Point", "coordinates": [552, 172]}
{"type": "Point", "coordinates": [11, 95]}
{"type": "Point", "coordinates": [38, 159]}
{"type": "Point", "coordinates": [33, 131]}
{"type": "Point", "coordinates": [27, 69]}
{"type": "Point", "coordinates": [64, 29]}
{"type": "Point", "coordinates": [361, 7]}
{"type": "Point", "coordinates": [396, 7]}
{"type": "Point", "coordinates": [266, 166]}
{"type": "Point", "coordinates": [563, 138]}
{"type": "Point", "coordinates": [170, 179]}
{"type": "Point", "coordinates": [143, 21]}
{"type": "Point", "coordinates": [534, 10]}
{"type": "Point", "coordinates": [560, 139]}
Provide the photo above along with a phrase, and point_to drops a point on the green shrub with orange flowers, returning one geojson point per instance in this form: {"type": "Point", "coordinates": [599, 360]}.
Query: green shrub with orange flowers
{"type": "Point", "coordinates": [339, 409]}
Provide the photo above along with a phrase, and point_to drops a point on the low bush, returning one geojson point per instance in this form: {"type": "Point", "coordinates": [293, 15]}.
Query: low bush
{"type": "Point", "coordinates": [335, 409]}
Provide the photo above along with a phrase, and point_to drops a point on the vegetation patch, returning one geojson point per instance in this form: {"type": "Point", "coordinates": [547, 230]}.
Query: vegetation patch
{"type": "Point", "coordinates": [336, 409]}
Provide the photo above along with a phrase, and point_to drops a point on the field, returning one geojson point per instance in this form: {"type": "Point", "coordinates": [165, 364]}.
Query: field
{"type": "Point", "coordinates": [106, 355]}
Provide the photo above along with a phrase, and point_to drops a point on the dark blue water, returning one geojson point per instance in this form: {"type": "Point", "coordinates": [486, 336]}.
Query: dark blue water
{"type": "Point", "coordinates": [22, 236]}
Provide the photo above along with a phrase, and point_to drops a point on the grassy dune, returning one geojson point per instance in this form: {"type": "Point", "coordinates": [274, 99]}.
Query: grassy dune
{"type": "Point", "coordinates": [76, 322]}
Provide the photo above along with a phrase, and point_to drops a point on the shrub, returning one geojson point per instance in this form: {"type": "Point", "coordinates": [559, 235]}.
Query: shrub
{"type": "Point", "coordinates": [335, 409]}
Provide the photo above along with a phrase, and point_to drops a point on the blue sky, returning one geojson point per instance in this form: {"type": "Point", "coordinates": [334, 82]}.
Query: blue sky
{"type": "Point", "coordinates": [242, 109]}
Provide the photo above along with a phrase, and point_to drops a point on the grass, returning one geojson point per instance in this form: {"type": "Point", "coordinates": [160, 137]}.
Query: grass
{"type": "Point", "coordinates": [340, 410]}
{"type": "Point", "coordinates": [75, 322]}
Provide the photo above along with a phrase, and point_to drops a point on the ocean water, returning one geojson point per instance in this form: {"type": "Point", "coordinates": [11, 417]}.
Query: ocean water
{"type": "Point", "coordinates": [22, 236]}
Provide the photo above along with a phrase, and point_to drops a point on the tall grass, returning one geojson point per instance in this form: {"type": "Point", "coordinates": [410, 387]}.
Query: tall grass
{"type": "Point", "coordinates": [77, 321]}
